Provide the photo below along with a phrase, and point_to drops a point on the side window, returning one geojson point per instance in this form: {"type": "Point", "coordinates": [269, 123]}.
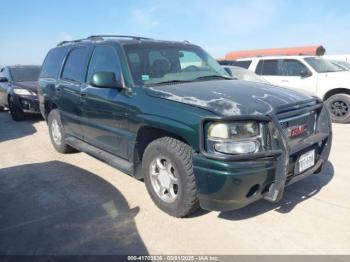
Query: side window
{"type": "Point", "coordinates": [74, 67]}
{"type": "Point", "coordinates": [135, 67]}
{"type": "Point", "coordinates": [292, 67]}
{"type": "Point", "coordinates": [190, 59]}
{"type": "Point", "coordinates": [245, 64]}
{"type": "Point", "coordinates": [104, 58]}
{"type": "Point", "coordinates": [268, 68]}
{"type": "Point", "coordinates": [52, 63]}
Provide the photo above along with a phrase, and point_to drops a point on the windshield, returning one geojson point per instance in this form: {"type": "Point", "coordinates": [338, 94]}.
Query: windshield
{"type": "Point", "coordinates": [153, 63]}
{"type": "Point", "coordinates": [20, 74]}
{"type": "Point", "coordinates": [245, 74]}
{"type": "Point", "coordinates": [342, 64]}
{"type": "Point", "coordinates": [322, 65]}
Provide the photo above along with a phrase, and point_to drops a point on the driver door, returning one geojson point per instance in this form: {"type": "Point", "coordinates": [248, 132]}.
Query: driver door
{"type": "Point", "coordinates": [296, 75]}
{"type": "Point", "coordinates": [105, 110]}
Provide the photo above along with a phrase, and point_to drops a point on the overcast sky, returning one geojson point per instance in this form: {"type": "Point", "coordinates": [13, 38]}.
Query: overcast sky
{"type": "Point", "coordinates": [30, 28]}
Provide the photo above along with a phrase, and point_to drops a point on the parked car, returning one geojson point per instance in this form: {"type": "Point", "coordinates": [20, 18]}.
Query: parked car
{"type": "Point", "coordinates": [168, 113]}
{"type": "Point", "coordinates": [240, 73]}
{"type": "Point", "coordinates": [18, 90]}
{"type": "Point", "coordinates": [311, 73]}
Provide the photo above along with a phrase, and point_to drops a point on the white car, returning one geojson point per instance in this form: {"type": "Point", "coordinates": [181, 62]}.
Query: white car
{"type": "Point", "coordinates": [241, 73]}
{"type": "Point", "coordinates": [311, 73]}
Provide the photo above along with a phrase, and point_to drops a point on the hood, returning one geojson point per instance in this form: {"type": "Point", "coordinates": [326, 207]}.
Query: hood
{"type": "Point", "coordinates": [30, 85]}
{"type": "Point", "coordinates": [340, 79]}
{"type": "Point", "coordinates": [229, 97]}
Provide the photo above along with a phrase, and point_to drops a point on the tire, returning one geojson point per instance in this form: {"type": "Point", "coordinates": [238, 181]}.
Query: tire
{"type": "Point", "coordinates": [57, 135]}
{"type": "Point", "coordinates": [175, 161]}
{"type": "Point", "coordinates": [339, 108]}
{"type": "Point", "coordinates": [16, 112]}
{"type": "Point", "coordinates": [2, 109]}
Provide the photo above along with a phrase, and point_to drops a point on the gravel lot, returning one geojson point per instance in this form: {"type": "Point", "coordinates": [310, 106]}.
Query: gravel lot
{"type": "Point", "coordinates": [73, 204]}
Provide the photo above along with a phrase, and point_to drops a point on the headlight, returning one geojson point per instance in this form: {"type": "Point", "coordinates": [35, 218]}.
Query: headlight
{"type": "Point", "coordinates": [235, 137]}
{"type": "Point", "coordinates": [23, 92]}
{"type": "Point", "coordinates": [236, 130]}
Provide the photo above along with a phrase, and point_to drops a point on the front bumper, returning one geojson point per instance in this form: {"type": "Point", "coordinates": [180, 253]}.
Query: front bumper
{"type": "Point", "coordinates": [28, 104]}
{"type": "Point", "coordinates": [234, 183]}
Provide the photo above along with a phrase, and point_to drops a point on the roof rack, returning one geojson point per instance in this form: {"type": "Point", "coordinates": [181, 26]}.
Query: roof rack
{"type": "Point", "coordinates": [118, 36]}
{"type": "Point", "coordinates": [101, 38]}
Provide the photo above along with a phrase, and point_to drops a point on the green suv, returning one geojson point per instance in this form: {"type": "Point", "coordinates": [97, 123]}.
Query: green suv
{"type": "Point", "coordinates": [167, 113]}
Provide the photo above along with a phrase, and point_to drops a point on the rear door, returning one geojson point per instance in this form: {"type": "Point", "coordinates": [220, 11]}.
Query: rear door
{"type": "Point", "coordinates": [69, 87]}
{"type": "Point", "coordinates": [269, 69]}
{"type": "Point", "coordinates": [105, 110]}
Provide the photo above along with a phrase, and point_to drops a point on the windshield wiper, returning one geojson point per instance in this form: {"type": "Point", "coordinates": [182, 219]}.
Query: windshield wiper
{"type": "Point", "coordinates": [214, 77]}
{"type": "Point", "coordinates": [169, 82]}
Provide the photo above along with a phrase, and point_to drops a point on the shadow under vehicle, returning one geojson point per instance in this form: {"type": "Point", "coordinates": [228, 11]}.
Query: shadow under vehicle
{"type": "Point", "coordinates": [57, 208]}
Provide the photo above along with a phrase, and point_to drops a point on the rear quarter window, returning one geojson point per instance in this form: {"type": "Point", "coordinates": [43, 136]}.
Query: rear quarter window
{"type": "Point", "coordinates": [52, 63]}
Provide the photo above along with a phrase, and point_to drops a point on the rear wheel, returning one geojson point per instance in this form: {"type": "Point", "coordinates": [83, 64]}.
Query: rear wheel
{"type": "Point", "coordinates": [169, 178]}
{"type": "Point", "coordinates": [2, 109]}
{"type": "Point", "coordinates": [339, 108]}
{"type": "Point", "coordinates": [16, 112]}
{"type": "Point", "coordinates": [57, 135]}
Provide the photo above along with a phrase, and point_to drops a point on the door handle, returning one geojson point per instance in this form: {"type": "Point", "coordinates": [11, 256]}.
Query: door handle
{"type": "Point", "coordinates": [284, 81]}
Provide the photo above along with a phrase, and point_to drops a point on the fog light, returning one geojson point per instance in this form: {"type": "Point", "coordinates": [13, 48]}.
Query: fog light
{"type": "Point", "coordinates": [239, 147]}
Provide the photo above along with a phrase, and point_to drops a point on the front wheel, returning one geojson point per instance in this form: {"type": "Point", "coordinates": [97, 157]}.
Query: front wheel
{"type": "Point", "coordinates": [339, 108]}
{"type": "Point", "coordinates": [16, 112]}
{"type": "Point", "coordinates": [56, 131]}
{"type": "Point", "coordinates": [169, 178]}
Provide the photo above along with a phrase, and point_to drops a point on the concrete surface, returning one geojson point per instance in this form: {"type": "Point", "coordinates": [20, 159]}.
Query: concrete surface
{"type": "Point", "coordinates": [74, 204]}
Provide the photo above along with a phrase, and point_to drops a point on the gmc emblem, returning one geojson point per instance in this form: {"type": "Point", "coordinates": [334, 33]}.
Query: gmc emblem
{"type": "Point", "coordinates": [295, 131]}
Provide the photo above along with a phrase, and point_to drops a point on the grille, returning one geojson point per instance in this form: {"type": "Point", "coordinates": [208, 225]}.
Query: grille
{"type": "Point", "coordinates": [305, 121]}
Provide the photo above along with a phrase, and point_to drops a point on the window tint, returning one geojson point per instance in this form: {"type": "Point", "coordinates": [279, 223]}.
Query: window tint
{"type": "Point", "coordinates": [74, 66]}
{"type": "Point", "coordinates": [292, 68]}
{"type": "Point", "coordinates": [52, 63]}
{"type": "Point", "coordinates": [267, 67]}
{"type": "Point", "coordinates": [104, 59]}
{"type": "Point", "coordinates": [245, 64]}
{"type": "Point", "coordinates": [135, 66]}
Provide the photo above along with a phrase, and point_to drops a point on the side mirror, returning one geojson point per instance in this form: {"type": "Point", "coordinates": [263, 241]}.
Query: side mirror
{"type": "Point", "coordinates": [4, 80]}
{"type": "Point", "coordinates": [305, 73]}
{"type": "Point", "coordinates": [105, 80]}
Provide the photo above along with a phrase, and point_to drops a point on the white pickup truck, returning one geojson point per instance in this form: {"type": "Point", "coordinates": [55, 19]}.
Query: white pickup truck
{"type": "Point", "coordinates": [311, 73]}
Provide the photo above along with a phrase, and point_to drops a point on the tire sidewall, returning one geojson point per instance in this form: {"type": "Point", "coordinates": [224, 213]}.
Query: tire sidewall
{"type": "Point", "coordinates": [16, 113]}
{"type": "Point", "coordinates": [54, 114]}
{"type": "Point", "coordinates": [339, 97]}
{"type": "Point", "coordinates": [161, 150]}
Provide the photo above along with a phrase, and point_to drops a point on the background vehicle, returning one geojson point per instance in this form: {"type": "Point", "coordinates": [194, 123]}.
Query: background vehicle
{"type": "Point", "coordinates": [243, 74]}
{"type": "Point", "coordinates": [167, 112]}
{"type": "Point", "coordinates": [311, 73]}
{"type": "Point", "coordinates": [18, 90]}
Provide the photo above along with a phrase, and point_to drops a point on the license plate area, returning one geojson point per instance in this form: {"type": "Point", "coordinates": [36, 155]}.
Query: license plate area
{"type": "Point", "coordinates": [305, 161]}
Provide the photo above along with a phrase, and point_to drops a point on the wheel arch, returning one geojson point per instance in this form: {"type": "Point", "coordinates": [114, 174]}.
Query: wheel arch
{"type": "Point", "coordinates": [145, 135]}
{"type": "Point", "coordinates": [335, 91]}
{"type": "Point", "coordinates": [49, 105]}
